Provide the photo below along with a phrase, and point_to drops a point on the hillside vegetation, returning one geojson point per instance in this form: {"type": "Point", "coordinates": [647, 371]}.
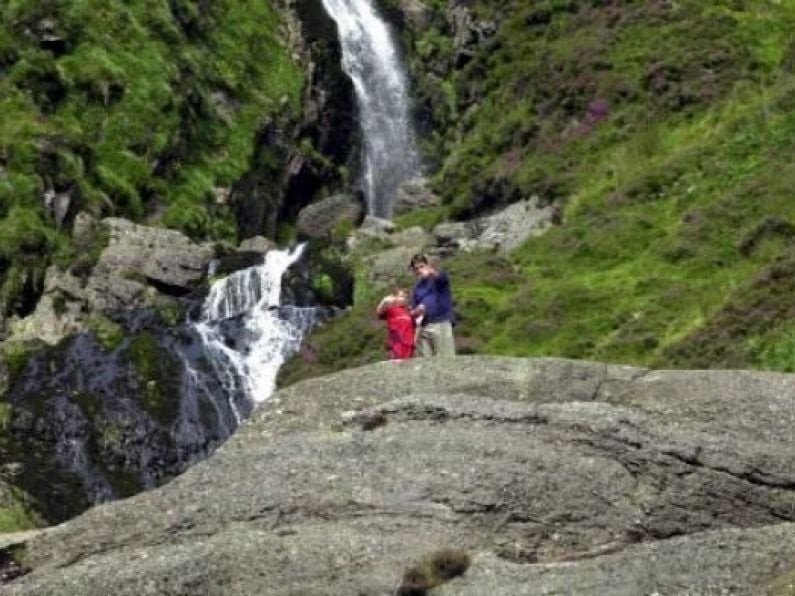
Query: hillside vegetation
{"type": "Point", "coordinates": [138, 109]}
{"type": "Point", "coordinates": [664, 131]}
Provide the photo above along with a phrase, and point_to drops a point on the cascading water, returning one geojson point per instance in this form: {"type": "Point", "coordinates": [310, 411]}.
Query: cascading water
{"type": "Point", "coordinates": [212, 372]}
{"type": "Point", "coordinates": [370, 58]}
{"type": "Point", "coordinates": [246, 335]}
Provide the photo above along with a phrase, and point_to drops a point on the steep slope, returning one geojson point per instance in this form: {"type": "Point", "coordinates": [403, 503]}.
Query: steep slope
{"type": "Point", "coordinates": [173, 112]}
{"type": "Point", "coordinates": [663, 134]}
{"type": "Point", "coordinates": [547, 476]}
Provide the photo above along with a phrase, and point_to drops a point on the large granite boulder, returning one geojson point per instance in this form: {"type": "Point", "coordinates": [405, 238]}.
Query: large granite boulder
{"type": "Point", "coordinates": [320, 219]}
{"type": "Point", "coordinates": [161, 256]}
{"type": "Point", "coordinates": [551, 476]}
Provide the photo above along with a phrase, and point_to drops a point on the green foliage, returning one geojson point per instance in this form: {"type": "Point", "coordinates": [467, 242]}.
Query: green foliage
{"type": "Point", "coordinates": [425, 218]}
{"type": "Point", "coordinates": [15, 356]}
{"type": "Point", "coordinates": [108, 334]}
{"type": "Point", "coordinates": [354, 339]}
{"type": "Point", "coordinates": [15, 517]}
{"type": "Point", "coordinates": [434, 570]}
{"type": "Point", "coordinates": [171, 313]}
{"type": "Point", "coordinates": [560, 83]}
{"type": "Point", "coordinates": [137, 109]}
{"type": "Point", "coordinates": [675, 246]}
{"type": "Point", "coordinates": [776, 353]}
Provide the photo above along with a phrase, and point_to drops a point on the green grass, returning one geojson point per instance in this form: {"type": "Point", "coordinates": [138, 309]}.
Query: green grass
{"type": "Point", "coordinates": [16, 519]}
{"type": "Point", "coordinates": [678, 220]}
{"type": "Point", "coordinates": [142, 111]}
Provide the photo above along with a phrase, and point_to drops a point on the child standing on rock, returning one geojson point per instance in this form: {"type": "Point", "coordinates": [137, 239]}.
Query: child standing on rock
{"type": "Point", "coordinates": [400, 326]}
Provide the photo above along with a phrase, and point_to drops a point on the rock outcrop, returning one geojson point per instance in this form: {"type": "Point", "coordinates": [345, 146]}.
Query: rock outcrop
{"type": "Point", "coordinates": [553, 476]}
{"type": "Point", "coordinates": [504, 231]}
{"type": "Point", "coordinates": [414, 194]}
{"type": "Point", "coordinates": [139, 267]}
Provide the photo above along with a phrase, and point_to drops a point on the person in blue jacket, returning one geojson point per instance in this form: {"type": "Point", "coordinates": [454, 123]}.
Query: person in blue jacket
{"type": "Point", "coordinates": [432, 307]}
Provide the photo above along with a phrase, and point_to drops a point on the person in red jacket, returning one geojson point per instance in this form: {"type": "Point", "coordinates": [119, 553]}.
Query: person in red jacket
{"type": "Point", "coordinates": [400, 326]}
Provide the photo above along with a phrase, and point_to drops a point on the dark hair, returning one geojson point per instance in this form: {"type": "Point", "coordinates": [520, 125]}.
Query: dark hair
{"type": "Point", "coordinates": [418, 258]}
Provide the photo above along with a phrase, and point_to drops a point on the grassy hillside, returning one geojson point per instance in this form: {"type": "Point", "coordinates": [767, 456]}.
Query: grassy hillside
{"type": "Point", "coordinates": [138, 109]}
{"type": "Point", "coordinates": [665, 131]}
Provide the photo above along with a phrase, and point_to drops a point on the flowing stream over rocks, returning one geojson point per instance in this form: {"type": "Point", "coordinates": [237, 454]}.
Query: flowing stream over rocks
{"type": "Point", "coordinates": [93, 422]}
{"type": "Point", "coordinates": [370, 58]}
{"type": "Point", "coordinates": [246, 334]}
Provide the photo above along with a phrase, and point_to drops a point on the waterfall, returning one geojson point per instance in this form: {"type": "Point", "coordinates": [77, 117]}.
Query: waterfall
{"type": "Point", "coordinates": [370, 58]}
{"type": "Point", "coordinates": [246, 335]}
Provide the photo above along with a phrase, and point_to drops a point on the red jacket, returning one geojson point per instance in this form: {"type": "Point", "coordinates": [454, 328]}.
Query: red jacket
{"type": "Point", "coordinates": [400, 331]}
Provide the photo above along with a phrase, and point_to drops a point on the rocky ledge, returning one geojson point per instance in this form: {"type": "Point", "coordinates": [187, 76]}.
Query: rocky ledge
{"type": "Point", "coordinates": [529, 476]}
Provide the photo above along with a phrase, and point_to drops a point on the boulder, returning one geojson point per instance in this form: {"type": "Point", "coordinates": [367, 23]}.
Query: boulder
{"type": "Point", "coordinates": [160, 256]}
{"type": "Point", "coordinates": [546, 476]}
{"type": "Point", "coordinates": [320, 219]}
{"type": "Point", "coordinates": [414, 194]}
{"type": "Point", "coordinates": [376, 225]}
{"type": "Point", "coordinates": [258, 244]}
{"type": "Point", "coordinates": [372, 230]}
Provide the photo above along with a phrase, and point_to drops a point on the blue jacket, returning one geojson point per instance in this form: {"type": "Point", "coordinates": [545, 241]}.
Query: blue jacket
{"type": "Point", "coordinates": [434, 294]}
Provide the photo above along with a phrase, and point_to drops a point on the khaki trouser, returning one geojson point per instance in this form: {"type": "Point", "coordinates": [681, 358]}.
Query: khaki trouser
{"type": "Point", "coordinates": [435, 339]}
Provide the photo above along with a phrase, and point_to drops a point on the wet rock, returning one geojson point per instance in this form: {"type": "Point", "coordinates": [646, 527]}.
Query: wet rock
{"type": "Point", "coordinates": [375, 226]}
{"type": "Point", "coordinates": [608, 479]}
{"type": "Point", "coordinates": [320, 219]}
{"type": "Point", "coordinates": [258, 244]}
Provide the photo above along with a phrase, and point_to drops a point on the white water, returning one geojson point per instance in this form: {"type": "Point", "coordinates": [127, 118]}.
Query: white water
{"type": "Point", "coordinates": [247, 358]}
{"type": "Point", "coordinates": [371, 60]}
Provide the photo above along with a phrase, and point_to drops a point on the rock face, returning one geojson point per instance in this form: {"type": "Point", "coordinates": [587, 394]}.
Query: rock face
{"type": "Point", "coordinates": [555, 476]}
{"type": "Point", "coordinates": [140, 267]}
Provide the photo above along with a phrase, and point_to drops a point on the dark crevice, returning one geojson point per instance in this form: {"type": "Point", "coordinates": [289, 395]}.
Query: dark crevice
{"type": "Point", "coordinates": [169, 289]}
{"type": "Point", "coordinates": [11, 566]}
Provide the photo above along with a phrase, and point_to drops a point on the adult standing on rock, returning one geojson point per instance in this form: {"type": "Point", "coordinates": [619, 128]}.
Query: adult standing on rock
{"type": "Point", "coordinates": [432, 303]}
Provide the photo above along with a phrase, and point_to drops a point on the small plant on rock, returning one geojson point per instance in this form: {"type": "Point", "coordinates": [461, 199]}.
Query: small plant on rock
{"type": "Point", "coordinates": [433, 570]}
